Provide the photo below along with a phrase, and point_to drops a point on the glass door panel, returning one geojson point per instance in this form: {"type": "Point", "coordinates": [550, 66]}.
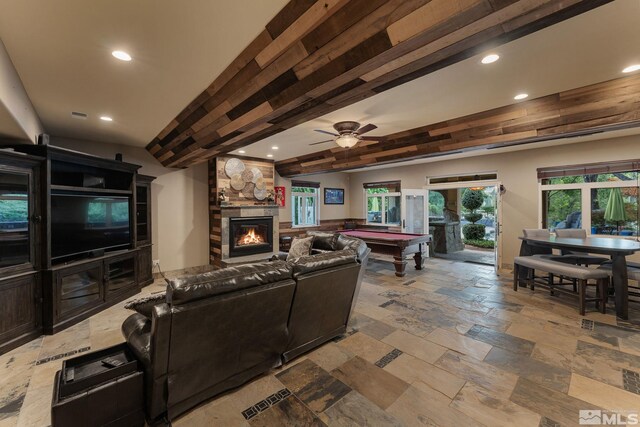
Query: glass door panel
{"type": "Point", "coordinates": [413, 211]}
{"type": "Point", "coordinates": [14, 219]}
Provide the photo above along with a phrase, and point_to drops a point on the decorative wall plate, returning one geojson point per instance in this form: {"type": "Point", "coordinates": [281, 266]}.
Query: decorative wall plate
{"type": "Point", "coordinates": [247, 175]}
{"type": "Point", "coordinates": [248, 189]}
{"type": "Point", "coordinates": [260, 184]}
{"type": "Point", "coordinates": [236, 182]}
{"type": "Point", "coordinates": [260, 194]}
{"type": "Point", "coordinates": [257, 173]}
{"type": "Point", "coordinates": [233, 166]}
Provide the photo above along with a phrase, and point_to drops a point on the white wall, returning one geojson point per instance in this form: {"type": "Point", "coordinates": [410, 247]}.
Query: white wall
{"type": "Point", "coordinates": [180, 203]}
{"type": "Point", "coordinates": [516, 170]}
{"type": "Point", "coordinates": [329, 180]}
{"type": "Point", "coordinates": [15, 100]}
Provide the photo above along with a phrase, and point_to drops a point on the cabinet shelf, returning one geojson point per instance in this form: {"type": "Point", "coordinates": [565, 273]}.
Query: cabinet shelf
{"type": "Point", "coordinates": [89, 190]}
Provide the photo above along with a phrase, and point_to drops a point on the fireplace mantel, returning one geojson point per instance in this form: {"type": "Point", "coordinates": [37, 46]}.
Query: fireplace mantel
{"type": "Point", "coordinates": [246, 206]}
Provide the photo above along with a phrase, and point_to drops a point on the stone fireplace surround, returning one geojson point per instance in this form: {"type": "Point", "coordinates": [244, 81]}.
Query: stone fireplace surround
{"type": "Point", "coordinates": [228, 212]}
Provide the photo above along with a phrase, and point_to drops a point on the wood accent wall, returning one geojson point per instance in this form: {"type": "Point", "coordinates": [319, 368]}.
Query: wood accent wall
{"type": "Point", "coordinates": [215, 234]}
{"type": "Point", "coordinates": [315, 57]}
{"type": "Point", "coordinates": [218, 180]}
{"type": "Point", "coordinates": [595, 108]}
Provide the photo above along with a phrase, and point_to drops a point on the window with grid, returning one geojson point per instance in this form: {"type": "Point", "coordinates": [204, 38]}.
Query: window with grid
{"type": "Point", "coordinates": [304, 204]}
{"type": "Point", "coordinates": [383, 203]}
{"type": "Point", "coordinates": [601, 198]}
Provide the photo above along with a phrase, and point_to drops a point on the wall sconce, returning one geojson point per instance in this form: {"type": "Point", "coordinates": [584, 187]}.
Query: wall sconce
{"type": "Point", "coordinates": [503, 189]}
{"type": "Point", "coordinates": [222, 196]}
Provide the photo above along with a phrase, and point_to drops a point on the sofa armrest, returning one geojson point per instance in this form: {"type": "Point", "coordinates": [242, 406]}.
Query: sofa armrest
{"type": "Point", "coordinates": [149, 339]}
{"type": "Point", "coordinates": [280, 256]}
{"type": "Point", "coordinates": [137, 332]}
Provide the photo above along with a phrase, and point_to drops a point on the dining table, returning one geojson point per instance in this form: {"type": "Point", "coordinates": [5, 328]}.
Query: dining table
{"type": "Point", "coordinates": [616, 248]}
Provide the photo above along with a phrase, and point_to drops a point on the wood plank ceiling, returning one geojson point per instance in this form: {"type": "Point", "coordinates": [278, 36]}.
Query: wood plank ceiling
{"type": "Point", "coordinates": [614, 104]}
{"type": "Point", "coordinates": [315, 57]}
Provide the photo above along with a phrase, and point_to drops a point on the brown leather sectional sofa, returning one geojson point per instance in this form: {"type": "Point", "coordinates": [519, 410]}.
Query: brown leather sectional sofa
{"type": "Point", "coordinates": [218, 330]}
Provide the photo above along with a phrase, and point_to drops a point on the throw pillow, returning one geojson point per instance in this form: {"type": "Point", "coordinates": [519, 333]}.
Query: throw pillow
{"type": "Point", "coordinates": [324, 241]}
{"type": "Point", "coordinates": [145, 305]}
{"type": "Point", "coordinates": [300, 246]}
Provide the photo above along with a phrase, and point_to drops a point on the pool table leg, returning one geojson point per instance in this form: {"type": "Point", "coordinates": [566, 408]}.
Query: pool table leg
{"type": "Point", "coordinates": [399, 263]}
{"type": "Point", "coordinates": [419, 258]}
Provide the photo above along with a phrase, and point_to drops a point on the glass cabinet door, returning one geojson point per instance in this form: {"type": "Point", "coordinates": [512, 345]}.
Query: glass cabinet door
{"type": "Point", "coordinates": [15, 211]}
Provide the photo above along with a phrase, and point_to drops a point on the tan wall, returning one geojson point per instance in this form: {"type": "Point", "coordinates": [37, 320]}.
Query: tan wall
{"type": "Point", "coordinates": [516, 170]}
{"type": "Point", "coordinates": [180, 204]}
{"type": "Point", "coordinates": [17, 115]}
{"type": "Point", "coordinates": [330, 180]}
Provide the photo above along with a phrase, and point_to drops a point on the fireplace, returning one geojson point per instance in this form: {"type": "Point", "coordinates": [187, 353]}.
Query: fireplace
{"type": "Point", "coordinates": [252, 235]}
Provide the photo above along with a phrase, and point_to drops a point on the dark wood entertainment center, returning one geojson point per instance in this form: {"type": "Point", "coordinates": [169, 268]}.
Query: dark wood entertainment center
{"type": "Point", "coordinates": [43, 293]}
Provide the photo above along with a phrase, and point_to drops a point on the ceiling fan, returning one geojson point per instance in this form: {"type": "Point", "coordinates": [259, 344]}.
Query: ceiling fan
{"type": "Point", "coordinates": [349, 134]}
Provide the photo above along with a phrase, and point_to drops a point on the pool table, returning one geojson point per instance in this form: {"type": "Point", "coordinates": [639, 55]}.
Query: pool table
{"type": "Point", "coordinates": [399, 245]}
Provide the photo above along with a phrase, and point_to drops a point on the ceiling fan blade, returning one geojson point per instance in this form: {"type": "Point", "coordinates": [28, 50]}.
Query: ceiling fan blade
{"type": "Point", "coordinates": [322, 142]}
{"type": "Point", "coordinates": [324, 131]}
{"type": "Point", "coordinates": [366, 128]}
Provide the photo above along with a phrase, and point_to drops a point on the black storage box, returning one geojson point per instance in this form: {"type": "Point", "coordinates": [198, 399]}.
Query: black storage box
{"type": "Point", "coordinates": [86, 392]}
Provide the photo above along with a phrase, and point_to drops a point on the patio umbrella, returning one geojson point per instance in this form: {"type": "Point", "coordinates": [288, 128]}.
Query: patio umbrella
{"type": "Point", "coordinates": [374, 205]}
{"type": "Point", "coordinates": [615, 208]}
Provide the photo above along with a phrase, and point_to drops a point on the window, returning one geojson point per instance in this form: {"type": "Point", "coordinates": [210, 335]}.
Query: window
{"type": "Point", "coordinates": [304, 204]}
{"type": "Point", "coordinates": [600, 198]}
{"type": "Point", "coordinates": [383, 203]}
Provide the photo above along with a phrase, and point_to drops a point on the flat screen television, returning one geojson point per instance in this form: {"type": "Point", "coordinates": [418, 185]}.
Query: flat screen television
{"type": "Point", "coordinates": [82, 223]}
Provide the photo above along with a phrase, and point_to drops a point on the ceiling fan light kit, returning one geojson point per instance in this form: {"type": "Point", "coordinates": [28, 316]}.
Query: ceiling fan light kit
{"type": "Point", "coordinates": [347, 140]}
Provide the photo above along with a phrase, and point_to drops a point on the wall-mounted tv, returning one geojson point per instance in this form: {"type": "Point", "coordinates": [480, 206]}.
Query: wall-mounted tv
{"type": "Point", "coordinates": [82, 223]}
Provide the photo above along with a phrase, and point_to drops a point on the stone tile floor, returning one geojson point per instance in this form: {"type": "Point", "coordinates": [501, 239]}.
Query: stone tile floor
{"type": "Point", "coordinates": [452, 345]}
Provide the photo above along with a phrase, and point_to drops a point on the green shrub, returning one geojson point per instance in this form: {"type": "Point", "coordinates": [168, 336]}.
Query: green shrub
{"type": "Point", "coordinates": [473, 231]}
{"type": "Point", "coordinates": [472, 199]}
{"type": "Point", "coordinates": [473, 217]}
{"type": "Point", "coordinates": [485, 244]}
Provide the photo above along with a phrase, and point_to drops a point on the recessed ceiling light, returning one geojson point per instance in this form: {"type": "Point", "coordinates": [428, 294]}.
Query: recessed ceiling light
{"type": "Point", "coordinates": [121, 55]}
{"type": "Point", "coordinates": [275, 147]}
{"type": "Point", "coordinates": [241, 151]}
{"type": "Point", "coordinates": [631, 68]}
{"type": "Point", "coordinates": [490, 58]}
{"type": "Point", "coordinates": [520, 96]}
{"type": "Point", "coordinates": [269, 155]}
{"type": "Point", "coordinates": [106, 118]}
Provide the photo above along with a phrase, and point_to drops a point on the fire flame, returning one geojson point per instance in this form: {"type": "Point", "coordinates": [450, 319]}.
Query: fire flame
{"type": "Point", "coordinates": [250, 238]}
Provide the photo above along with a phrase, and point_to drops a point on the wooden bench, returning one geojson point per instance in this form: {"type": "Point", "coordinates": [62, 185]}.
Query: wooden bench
{"type": "Point", "coordinates": [554, 268]}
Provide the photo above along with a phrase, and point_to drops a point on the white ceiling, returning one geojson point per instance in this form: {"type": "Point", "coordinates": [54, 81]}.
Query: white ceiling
{"type": "Point", "coordinates": [590, 48]}
{"type": "Point", "coordinates": [62, 52]}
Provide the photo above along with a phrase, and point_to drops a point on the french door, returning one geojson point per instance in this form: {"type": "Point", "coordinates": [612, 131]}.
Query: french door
{"type": "Point", "coordinates": [414, 212]}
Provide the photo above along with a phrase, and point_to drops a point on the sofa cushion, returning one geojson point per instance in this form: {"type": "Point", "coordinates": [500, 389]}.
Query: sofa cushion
{"type": "Point", "coordinates": [300, 246]}
{"type": "Point", "coordinates": [357, 245]}
{"type": "Point", "coordinates": [324, 241]}
{"type": "Point", "coordinates": [230, 279]}
{"type": "Point", "coordinates": [145, 305]}
{"type": "Point", "coordinates": [310, 263]}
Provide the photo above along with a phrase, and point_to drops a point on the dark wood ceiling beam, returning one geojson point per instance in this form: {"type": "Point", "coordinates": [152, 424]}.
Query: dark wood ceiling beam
{"type": "Point", "coordinates": [315, 57]}
{"type": "Point", "coordinates": [614, 104]}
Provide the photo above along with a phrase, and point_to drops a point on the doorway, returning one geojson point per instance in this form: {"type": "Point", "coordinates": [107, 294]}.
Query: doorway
{"type": "Point", "coordinates": [464, 221]}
